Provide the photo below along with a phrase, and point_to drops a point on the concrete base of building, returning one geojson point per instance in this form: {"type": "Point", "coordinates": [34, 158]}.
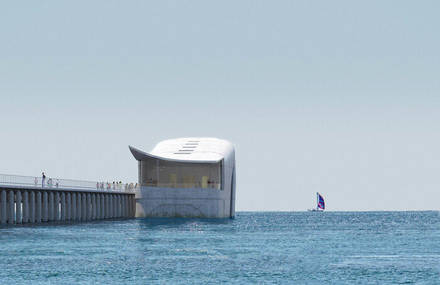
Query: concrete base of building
{"type": "Point", "coordinates": [188, 203]}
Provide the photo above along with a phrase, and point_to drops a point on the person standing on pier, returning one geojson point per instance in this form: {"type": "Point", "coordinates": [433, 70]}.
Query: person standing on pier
{"type": "Point", "coordinates": [43, 179]}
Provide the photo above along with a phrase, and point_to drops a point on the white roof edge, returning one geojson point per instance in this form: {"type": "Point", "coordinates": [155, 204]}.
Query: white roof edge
{"type": "Point", "coordinates": [189, 149]}
{"type": "Point", "coordinates": [139, 155]}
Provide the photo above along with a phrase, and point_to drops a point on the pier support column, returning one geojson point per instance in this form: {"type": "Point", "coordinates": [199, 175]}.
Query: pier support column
{"type": "Point", "coordinates": [18, 208]}
{"type": "Point", "coordinates": [84, 206]}
{"type": "Point", "coordinates": [4, 215]}
{"type": "Point", "coordinates": [115, 206]}
{"type": "Point", "coordinates": [103, 208]}
{"type": "Point", "coordinates": [38, 207]}
{"type": "Point", "coordinates": [133, 206]}
{"type": "Point", "coordinates": [11, 207]}
{"type": "Point", "coordinates": [93, 201]}
{"type": "Point", "coordinates": [127, 206]}
{"type": "Point", "coordinates": [73, 216]}
{"type": "Point", "coordinates": [111, 206]}
{"type": "Point", "coordinates": [51, 207]}
{"type": "Point", "coordinates": [78, 206]}
{"type": "Point", "coordinates": [98, 206]}
{"type": "Point", "coordinates": [45, 206]}
{"type": "Point", "coordinates": [57, 206]}
{"type": "Point", "coordinates": [118, 205]}
{"type": "Point", "coordinates": [32, 210]}
{"type": "Point", "coordinates": [123, 206]}
{"type": "Point", "coordinates": [121, 202]}
{"type": "Point", "coordinates": [63, 206]}
{"type": "Point", "coordinates": [68, 206]}
{"type": "Point", "coordinates": [25, 206]}
{"type": "Point", "coordinates": [89, 208]}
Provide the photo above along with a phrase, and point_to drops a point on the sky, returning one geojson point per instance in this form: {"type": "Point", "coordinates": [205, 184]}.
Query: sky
{"type": "Point", "coordinates": [336, 97]}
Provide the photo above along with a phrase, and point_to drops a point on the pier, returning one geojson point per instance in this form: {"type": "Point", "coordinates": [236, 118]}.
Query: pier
{"type": "Point", "coordinates": [31, 200]}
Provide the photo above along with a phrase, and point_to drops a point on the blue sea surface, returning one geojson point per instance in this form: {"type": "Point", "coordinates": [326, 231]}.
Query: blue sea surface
{"type": "Point", "coordinates": [253, 248]}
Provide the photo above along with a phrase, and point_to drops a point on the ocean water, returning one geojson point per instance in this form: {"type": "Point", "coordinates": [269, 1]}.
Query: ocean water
{"type": "Point", "coordinates": [254, 248]}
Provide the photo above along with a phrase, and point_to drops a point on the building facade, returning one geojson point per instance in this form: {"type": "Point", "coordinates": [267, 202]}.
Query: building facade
{"type": "Point", "coordinates": [186, 177]}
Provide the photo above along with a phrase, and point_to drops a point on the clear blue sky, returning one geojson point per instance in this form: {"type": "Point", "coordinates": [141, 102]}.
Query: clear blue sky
{"type": "Point", "coordinates": [340, 97]}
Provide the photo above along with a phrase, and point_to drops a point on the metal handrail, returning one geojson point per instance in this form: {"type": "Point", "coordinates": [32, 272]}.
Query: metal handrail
{"type": "Point", "coordinates": [54, 183]}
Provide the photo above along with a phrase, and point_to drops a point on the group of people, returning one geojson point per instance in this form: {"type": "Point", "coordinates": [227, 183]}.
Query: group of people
{"type": "Point", "coordinates": [115, 186]}
{"type": "Point", "coordinates": [48, 183]}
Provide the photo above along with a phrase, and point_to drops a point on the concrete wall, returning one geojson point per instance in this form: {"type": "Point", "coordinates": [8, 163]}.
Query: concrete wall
{"type": "Point", "coordinates": [171, 202]}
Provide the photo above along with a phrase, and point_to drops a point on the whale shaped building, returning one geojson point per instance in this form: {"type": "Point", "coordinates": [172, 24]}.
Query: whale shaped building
{"type": "Point", "coordinates": [186, 177]}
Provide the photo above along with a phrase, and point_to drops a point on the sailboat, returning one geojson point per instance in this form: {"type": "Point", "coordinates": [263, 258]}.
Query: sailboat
{"type": "Point", "coordinates": [320, 204]}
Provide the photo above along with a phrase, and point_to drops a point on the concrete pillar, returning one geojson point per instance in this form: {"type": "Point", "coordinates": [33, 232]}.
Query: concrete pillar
{"type": "Point", "coordinates": [32, 211]}
{"type": "Point", "coordinates": [38, 207]}
{"type": "Point", "coordinates": [4, 215]}
{"type": "Point", "coordinates": [11, 207]}
{"type": "Point", "coordinates": [84, 206]}
{"type": "Point", "coordinates": [130, 202]}
{"type": "Point", "coordinates": [25, 207]}
{"type": "Point", "coordinates": [57, 206]}
{"type": "Point", "coordinates": [122, 206]}
{"type": "Point", "coordinates": [118, 204]}
{"type": "Point", "coordinates": [133, 206]}
{"type": "Point", "coordinates": [45, 206]}
{"type": "Point", "coordinates": [111, 206]}
{"type": "Point", "coordinates": [63, 206]}
{"type": "Point", "coordinates": [102, 206]}
{"type": "Point", "coordinates": [73, 216]}
{"type": "Point", "coordinates": [115, 206]}
{"type": "Point", "coordinates": [127, 205]}
{"type": "Point", "coordinates": [78, 206]}
{"type": "Point", "coordinates": [121, 212]}
{"type": "Point", "coordinates": [18, 208]}
{"type": "Point", "coordinates": [127, 197]}
{"type": "Point", "coordinates": [51, 206]}
{"type": "Point", "coordinates": [68, 206]}
{"type": "Point", "coordinates": [109, 203]}
{"type": "Point", "coordinates": [93, 209]}
{"type": "Point", "coordinates": [89, 208]}
{"type": "Point", "coordinates": [98, 206]}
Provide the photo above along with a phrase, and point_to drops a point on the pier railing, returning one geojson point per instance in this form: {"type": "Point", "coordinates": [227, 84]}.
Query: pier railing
{"type": "Point", "coordinates": [55, 183]}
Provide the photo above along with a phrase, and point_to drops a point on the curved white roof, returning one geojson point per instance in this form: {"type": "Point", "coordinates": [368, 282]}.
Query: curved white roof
{"type": "Point", "coordinates": [188, 150]}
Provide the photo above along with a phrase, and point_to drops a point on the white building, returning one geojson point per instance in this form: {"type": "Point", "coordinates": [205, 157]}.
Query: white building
{"type": "Point", "coordinates": [187, 177]}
